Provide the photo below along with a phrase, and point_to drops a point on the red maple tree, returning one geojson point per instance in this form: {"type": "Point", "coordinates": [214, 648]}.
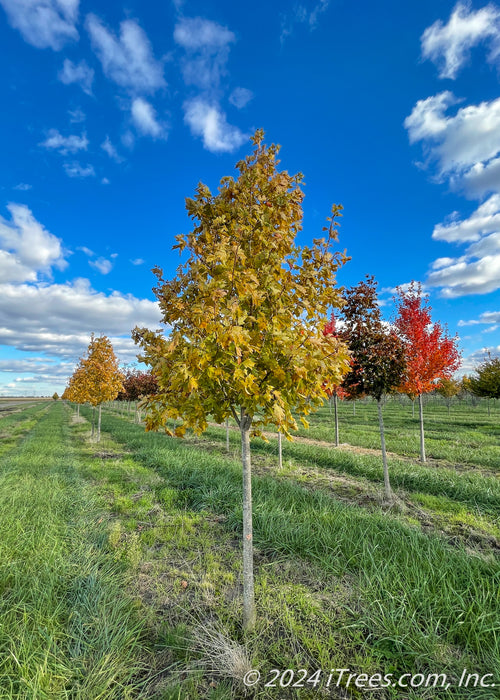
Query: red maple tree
{"type": "Point", "coordinates": [431, 355]}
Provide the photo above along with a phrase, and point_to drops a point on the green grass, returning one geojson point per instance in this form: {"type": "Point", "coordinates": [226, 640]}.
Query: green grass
{"type": "Point", "coordinates": [466, 436]}
{"type": "Point", "coordinates": [397, 599]}
{"type": "Point", "coordinates": [66, 629]}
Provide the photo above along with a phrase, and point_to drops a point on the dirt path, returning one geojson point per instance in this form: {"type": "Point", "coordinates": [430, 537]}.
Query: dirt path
{"type": "Point", "coordinates": [356, 449]}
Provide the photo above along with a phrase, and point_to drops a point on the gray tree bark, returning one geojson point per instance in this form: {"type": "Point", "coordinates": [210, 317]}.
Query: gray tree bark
{"type": "Point", "coordinates": [280, 450]}
{"type": "Point", "coordinates": [335, 404]}
{"type": "Point", "coordinates": [422, 438]}
{"type": "Point", "coordinates": [227, 434]}
{"type": "Point", "coordinates": [248, 581]}
{"type": "Point", "coordinates": [387, 484]}
{"type": "Point", "coordinates": [99, 425]}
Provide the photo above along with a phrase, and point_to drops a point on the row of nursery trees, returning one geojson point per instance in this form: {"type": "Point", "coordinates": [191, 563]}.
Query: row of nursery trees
{"type": "Point", "coordinates": [251, 333]}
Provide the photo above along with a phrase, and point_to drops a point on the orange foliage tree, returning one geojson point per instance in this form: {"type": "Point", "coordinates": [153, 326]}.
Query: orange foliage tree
{"type": "Point", "coordinates": [431, 355]}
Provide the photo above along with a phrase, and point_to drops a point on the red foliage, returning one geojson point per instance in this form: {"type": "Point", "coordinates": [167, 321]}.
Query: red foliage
{"type": "Point", "coordinates": [431, 354]}
{"type": "Point", "coordinates": [137, 384]}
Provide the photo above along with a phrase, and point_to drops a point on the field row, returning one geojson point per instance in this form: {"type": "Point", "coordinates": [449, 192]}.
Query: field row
{"type": "Point", "coordinates": [130, 575]}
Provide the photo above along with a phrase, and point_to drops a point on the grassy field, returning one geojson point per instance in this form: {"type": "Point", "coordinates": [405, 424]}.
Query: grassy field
{"type": "Point", "coordinates": [120, 564]}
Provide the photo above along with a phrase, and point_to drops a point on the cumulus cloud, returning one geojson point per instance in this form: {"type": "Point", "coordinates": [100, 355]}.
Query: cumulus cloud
{"type": "Point", "coordinates": [65, 144]}
{"type": "Point", "coordinates": [208, 122]}
{"type": "Point", "coordinates": [485, 219]}
{"type": "Point", "coordinates": [80, 73]}
{"type": "Point", "coordinates": [23, 187]}
{"type": "Point", "coordinates": [240, 97]}
{"type": "Point", "coordinates": [477, 271]}
{"type": "Point", "coordinates": [102, 265]}
{"type": "Point", "coordinates": [126, 59]}
{"type": "Point", "coordinates": [488, 317]}
{"type": "Point", "coordinates": [75, 169]}
{"type": "Point", "coordinates": [137, 261]}
{"type": "Point", "coordinates": [27, 248]}
{"type": "Point", "coordinates": [448, 45]}
{"type": "Point", "coordinates": [463, 277]}
{"type": "Point", "coordinates": [460, 141]}
{"type": "Point", "coordinates": [145, 119]}
{"type": "Point", "coordinates": [57, 319]}
{"type": "Point", "coordinates": [44, 23]}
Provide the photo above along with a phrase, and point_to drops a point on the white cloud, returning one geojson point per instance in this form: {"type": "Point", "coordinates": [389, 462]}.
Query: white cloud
{"type": "Point", "coordinates": [102, 265]}
{"type": "Point", "coordinates": [87, 251]}
{"type": "Point", "coordinates": [240, 97]}
{"type": "Point", "coordinates": [79, 73]}
{"type": "Point", "coordinates": [198, 34]}
{"type": "Point", "coordinates": [138, 261]}
{"type": "Point", "coordinates": [448, 46]}
{"type": "Point", "coordinates": [487, 317]}
{"type": "Point", "coordinates": [27, 247]}
{"type": "Point", "coordinates": [207, 49]}
{"type": "Point", "coordinates": [76, 116]}
{"type": "Point", "coordinates": [57, 319]}
{"type": "Point", "coordinates": [65, 144]}
{"type": "Point", "coordinates": [485, 220]}
{"type": "Point", "coordinates": [464, 146]}
{"type": "Point", "coordinates": [482, 178]}
{"type": "Point", "coordinates": [23, 187]}
{"type": "Point", "coordinates": [44, 23]}
{"type": "Point", "coordinates": [472, 135]}
{"type": "Point", "coordinates": [77, 170]}
{"type": "Point", "coordinates": [127, 60]}
{"type": "Point", "coordinates": [462, 278]}
{"type": "Point", "coordinates": [302, 14]}
{"type": "Point", "coordinates": [110, 149]}
{"type": "Point", "coordinates": [209, 122]}
{"type": "Point", "coordinates": [104, 181]}
{"type": "Point", "coordinates": [477, 271]}
{"type": "Point", "coordinates": [145, 119]}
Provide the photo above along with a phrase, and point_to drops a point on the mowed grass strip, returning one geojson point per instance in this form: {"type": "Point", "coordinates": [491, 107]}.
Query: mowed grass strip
{"type": "Point", "coordinates": [420, 604]}
{"type": "Point", "coordinates": [14, 425]}
{"type": "Point", "coordinates": [465, 436]}
{"type": "Point", "coordinates": [66, 629]}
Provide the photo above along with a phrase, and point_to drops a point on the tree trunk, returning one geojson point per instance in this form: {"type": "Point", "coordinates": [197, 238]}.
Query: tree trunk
{"type": "Point", "coordinates": [387, 484]}
{"type": "Point", "coordinates": [422, 439]}
{"type": "Point", "coordinates": [78, 410]}
{"type": "Point", "coordinates": [488, 400]}
{"type": "Point", "coordinates": [227, 434]}
{"type": "Point", "coordinates": [248, 583]}
{"type": "Point", "coordinates": [280, 451]}
{"type": "Point", "coordinates": [354, 408]}
{"type": "Point", "coordinates": [413, 408]}
{"type": "Point", "coordinates": [335, 405]}
{"type": "Point", "coordinates": [93, 422]}
{"type": "Point", "coordinates": [99, 425]}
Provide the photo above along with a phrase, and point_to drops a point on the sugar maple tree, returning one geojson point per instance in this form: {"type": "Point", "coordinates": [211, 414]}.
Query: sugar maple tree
{"type": "Point", "coordinates": [431, 355]}
{"type": "Point", "coordinates": [246, 313]}
{"type": "Point", "coordinates": [97, 377]}
{"type": "Point", "coordinates": [377, 355]}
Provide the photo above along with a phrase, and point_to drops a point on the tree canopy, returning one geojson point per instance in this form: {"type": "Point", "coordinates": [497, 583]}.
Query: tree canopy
{"type": "Point", "coordinates": [247, 309]}
{"type": "Point", "coordinates": [486, 379]}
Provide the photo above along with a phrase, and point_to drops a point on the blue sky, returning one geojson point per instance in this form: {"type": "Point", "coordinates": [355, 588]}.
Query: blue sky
{"type": "Point", "coordinates": [112, 112]}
